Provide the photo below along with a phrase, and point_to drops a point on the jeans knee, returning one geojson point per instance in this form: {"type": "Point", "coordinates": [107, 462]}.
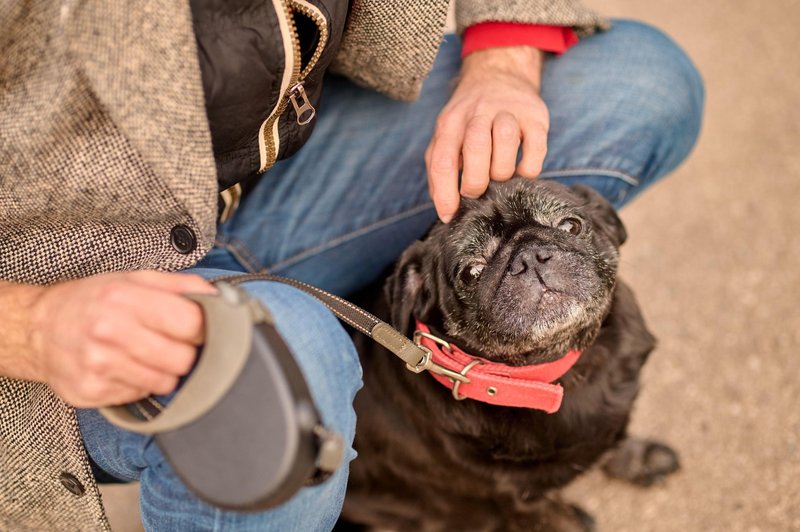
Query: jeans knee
{"type": "Point", "coordinates": [664, 76]}
{"type": "Point", "coordinates": [322, 349]}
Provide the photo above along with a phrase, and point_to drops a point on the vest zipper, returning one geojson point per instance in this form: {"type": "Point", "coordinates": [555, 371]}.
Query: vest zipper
{"type": "Point", "coordinates": [303, 107]}
{"type": "Point", "coordinates": [293, 77]}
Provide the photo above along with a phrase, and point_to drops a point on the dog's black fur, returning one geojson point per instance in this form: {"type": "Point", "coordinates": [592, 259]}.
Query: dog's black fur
{"type": "Point", "coordinates": [520, 276]}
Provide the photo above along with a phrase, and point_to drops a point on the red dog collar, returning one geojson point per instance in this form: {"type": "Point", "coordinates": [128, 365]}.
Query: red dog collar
{"type": "Point", "coordinates": [497, 384]}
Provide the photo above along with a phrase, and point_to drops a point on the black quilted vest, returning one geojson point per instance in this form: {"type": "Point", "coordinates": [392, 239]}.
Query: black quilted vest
{"type": "Point", "coordinates": [262, 64]}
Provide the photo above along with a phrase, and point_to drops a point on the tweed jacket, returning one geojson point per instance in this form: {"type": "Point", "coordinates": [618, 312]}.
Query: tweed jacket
{"type": "Point", "coordinates": [106, 164]}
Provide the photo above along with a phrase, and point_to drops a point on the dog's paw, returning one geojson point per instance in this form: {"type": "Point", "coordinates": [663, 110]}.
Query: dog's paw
{"type": "Point", "coordinates": [641, 462]}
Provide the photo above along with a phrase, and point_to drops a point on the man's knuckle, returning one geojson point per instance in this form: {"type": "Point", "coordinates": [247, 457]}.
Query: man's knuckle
{"type": "Point", "coordinates": [114, 293]}
{"type": "Point", "coordinates": [535, 147]}
{"type": "Point", "coordinates": [506, 131]}
{"type": "Point", "coordinates": [538, 153]}
{"type": "Point", "coordinates": [443, 165]}
{"type": "Point", "coordinates": [96, 361]}
{"type": "Point", "coordinates": [538, 129]}
{"type": "Point", "coordinates": [165, 385]}
{"type": "Point", "coordinates": [502, 170]}
{"type": "Point", "coordinates": [184, 356]}
{"type": "Point", "coordinates": [193, 317]}
{"type": "Point", "coordinates": [477, 138]}
{"type": "Point", "coordinates": [446, 123]}
{"type": "Point", "coordinates": [194, 281]}
{"type": "Point", "coordinates": [529, 168]}
{"type": "Point", "coordinates": [92, 389]}
{"type": "Point", "coordinates": [103, 328]}
{"type": "Point", "coordinates": [473, 188]}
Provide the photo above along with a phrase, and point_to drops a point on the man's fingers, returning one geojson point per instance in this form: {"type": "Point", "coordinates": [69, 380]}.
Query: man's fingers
{"type": "Point", "coordinates": [534, 149]}
{"type": "Point", "coordinates": [95, 393]}
{"type": "Point", "coordinates": [123, 393]}
{"type": "Point", "coordinates": [131, 373]}
{"type": "Point", "coordinates": [477, 153]}
{"type": "Point", "coordinates": [167, 313]}
{"type": "Point", "coordinates": [149, 348]}
{"type": "Point", "coordinates": [442, 160]}
{"type": "Point", "coordinates": [505, 145]}
{"type": "Point", "coordinates": [177, 283]}
{"type": "Point", "coordinates": [108, 373]}
{"type": "Point", "coordinates": [163, 354]}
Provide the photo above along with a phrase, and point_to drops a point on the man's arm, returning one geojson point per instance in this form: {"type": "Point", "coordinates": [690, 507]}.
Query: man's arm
{"type": "Point", "coordinates": [102, 340]}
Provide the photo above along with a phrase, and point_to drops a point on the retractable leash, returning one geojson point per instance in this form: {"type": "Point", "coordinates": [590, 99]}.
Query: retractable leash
{"type": "Point", "coordinates": [243, 432]}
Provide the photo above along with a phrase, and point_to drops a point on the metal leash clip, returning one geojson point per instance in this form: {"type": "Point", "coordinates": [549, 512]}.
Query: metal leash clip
{"type": "Point", "coordinates": [427, 363]}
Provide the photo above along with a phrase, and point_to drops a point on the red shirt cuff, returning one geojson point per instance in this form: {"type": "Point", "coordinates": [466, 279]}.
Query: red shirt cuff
{"type": "Point", "coordinates": [555, 39]}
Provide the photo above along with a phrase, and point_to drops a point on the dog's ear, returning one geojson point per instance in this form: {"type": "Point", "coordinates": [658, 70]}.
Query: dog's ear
{"type": "Point", "coordinates": [410, 289]}
{"type": "Point", "coordinates": [603, 215]}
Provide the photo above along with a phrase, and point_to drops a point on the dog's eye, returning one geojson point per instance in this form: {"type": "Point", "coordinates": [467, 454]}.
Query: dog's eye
{"type": "Point", "coordinates": [471, 272]}
{"type": "Point", "coordinates": [570, 225]}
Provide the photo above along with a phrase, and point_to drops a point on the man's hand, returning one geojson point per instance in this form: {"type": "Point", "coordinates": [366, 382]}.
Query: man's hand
{"type": "Point", "coordinates": [495, 107]}
{"type": "Point", "coordinates": [116, 338]}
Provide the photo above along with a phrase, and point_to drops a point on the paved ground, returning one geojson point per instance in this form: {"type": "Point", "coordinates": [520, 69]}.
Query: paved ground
{"type": "Point", "coordinates": [714, 256]}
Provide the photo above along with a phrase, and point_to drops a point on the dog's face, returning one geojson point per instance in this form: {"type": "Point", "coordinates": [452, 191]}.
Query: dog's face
{"type": "Point", "coordinates": [521, 275]}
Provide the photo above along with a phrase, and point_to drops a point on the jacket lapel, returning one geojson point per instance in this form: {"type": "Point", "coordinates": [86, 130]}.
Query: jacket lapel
{"type": "Point", "coordinates": [140, 59]}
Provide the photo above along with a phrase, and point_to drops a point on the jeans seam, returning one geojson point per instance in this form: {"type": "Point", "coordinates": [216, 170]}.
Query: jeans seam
{"type": "Point", "coordinates": [240, 252]}
{"type": "Point", "coordinates": [566, 172]}
{"type": "Point", "coordinates": [330, 244]}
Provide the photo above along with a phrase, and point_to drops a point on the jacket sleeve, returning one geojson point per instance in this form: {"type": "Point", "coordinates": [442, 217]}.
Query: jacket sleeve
{"type": "Point", "coordinates": [555, 39]}
{"type": "Point", "coordinates": [548, 12]}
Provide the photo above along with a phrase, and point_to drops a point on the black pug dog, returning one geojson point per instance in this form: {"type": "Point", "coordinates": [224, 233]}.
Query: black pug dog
{"type": "Point", "coordinates": [521, 276]}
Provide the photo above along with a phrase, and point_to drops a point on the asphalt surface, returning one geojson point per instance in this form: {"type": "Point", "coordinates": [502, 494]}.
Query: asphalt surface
{"type": "Point", "coordinates": [714, 257]}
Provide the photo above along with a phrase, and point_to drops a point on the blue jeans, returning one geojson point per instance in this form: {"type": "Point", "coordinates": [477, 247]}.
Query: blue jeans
{"type": "Point", "coordinates": [625, 109]}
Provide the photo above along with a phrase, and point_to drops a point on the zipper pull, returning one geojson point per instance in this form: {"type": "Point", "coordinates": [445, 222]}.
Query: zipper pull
{"type": "Point", "coordinates": [305, 107]}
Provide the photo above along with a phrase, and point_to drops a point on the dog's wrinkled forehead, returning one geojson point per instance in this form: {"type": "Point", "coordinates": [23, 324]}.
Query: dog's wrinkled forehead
{"type": "Point", "coordinates": [506, 207]}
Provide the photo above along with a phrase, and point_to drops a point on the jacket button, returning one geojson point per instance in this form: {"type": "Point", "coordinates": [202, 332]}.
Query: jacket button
{"type": "Point", "coordinates": [182, 239]}
{"type": "Point", "coordinates": [72, 484]}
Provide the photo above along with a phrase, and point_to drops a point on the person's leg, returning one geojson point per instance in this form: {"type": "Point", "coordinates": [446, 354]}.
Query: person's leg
{"type": "Point", "coordinates": [330, 365]}
{"type": "Point", "coordinates": [625, 109]}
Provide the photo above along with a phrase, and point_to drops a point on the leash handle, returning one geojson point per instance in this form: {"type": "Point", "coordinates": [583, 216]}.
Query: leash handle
{"type": "Point", "coordinates": [229, 319]}
{"type": "Point", "coordinates": [416, 357]}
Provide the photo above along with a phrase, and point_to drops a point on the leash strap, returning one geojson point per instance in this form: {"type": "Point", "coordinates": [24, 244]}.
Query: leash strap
{"type": "Point", "coordinates": [524, 386]}
{"type": "Point", "coordinates": [416, 357]}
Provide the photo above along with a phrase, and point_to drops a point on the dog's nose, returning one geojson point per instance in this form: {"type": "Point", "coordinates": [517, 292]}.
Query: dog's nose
{"type": "Point", "coordinates": [529, 257]}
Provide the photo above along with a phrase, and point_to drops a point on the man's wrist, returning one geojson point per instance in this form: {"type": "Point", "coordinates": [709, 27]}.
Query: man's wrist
{"type": "Point", "coordinates": [520, 61]}
{"type": "Point", "coordinates": [19, 358]}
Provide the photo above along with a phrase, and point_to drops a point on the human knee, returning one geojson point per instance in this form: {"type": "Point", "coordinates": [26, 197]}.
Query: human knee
{"type": "Point", "coordinates": [662, 75]}
{"type": "Point", "coordinates": [321, 347]}
{"type": "Point", "coordinates": [319, 343]}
